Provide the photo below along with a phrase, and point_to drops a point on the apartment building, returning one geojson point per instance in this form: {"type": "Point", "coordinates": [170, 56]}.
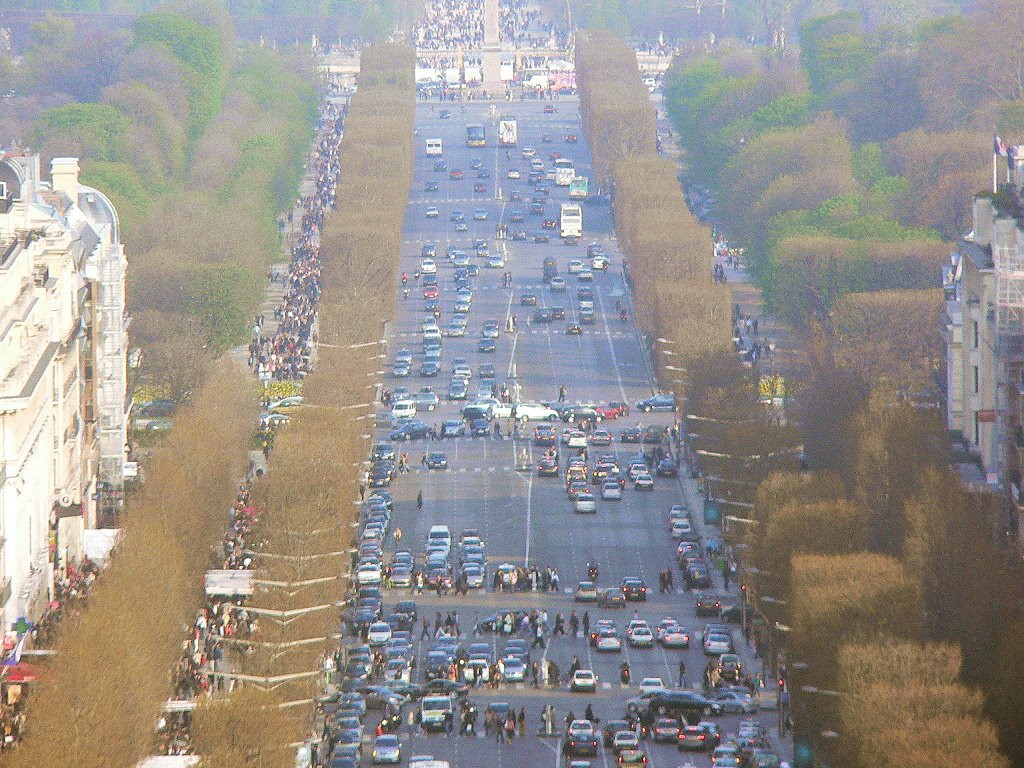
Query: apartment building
{"type": "Point", "coordinates": [62, 375]}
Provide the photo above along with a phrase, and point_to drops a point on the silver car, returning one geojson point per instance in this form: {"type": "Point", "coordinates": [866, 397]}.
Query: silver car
{"type": "Point", "coordinates": [387, 749]}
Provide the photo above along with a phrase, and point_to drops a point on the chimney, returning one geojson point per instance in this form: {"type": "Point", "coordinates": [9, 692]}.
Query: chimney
{"type": "Point", "coordinates": [64, 175]}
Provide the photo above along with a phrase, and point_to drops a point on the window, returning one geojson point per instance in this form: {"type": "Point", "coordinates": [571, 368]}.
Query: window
{"type": "Point", "coordinates": [975, 333]}
{"type": "Point", "coordinates": [976, 379]}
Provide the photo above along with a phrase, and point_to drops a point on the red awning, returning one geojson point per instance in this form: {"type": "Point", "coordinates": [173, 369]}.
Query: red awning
{"type": "Point", "coordinates": [22, 672]}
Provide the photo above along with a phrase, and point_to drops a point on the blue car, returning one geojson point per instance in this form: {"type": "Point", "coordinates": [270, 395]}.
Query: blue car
{"type": "Point", "coordinates": [660, 402]}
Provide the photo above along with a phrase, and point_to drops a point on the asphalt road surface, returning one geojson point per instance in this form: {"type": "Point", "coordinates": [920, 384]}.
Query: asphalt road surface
{"type": "Point", "coordinates": [525, 519]}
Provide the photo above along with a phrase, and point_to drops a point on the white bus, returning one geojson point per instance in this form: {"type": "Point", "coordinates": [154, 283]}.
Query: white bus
{"type": "Point", "coordinates": [565, 172]}
{"type": "Point", "coordinates": [508, 131]}
{"type": "Point", "coordinates": [434, 148]}
{"type": "Point", "coordinates": [571, 220]}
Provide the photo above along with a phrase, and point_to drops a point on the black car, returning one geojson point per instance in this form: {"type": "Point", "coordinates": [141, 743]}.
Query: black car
{"type": "Point", "coordinates": [667, 468]}
{"type": "Point", "coordinates": [660, 402]}
{"type": "Point", "coordinates": [580, 743]}
{"type": "Point", "coordinates": [542, 315]}
{"type": "Point", "coordinates": [479, 428]}
{"type": "Point", "coordinates": [634, 589]}
{"type": "Point", "coordinates": [380, 477]}
{"type": "Point", "coordinates": [528, 300]}
{"type": "Point", "coordinates": [631, 435]}
{"type": "Point", "coordinates": [573, 329]}
{"type": "Point", "coordinates": [473, 413]}
{"type": "Point", "coordinates": [542, 237]}
{"type": "Point", "coordinates": [383, 451]}
{"type": "Point", "coordinates": [698, 575]}
{"type": "Point", "coordinates": [708, 605]}
{"type": "Point", "coordinates": [437, 460]}
{"type": "Point", "coordinates": [655, 435]}
{"type": "Point", "coordinates": [431, 186]}
{"type": "Point", "coordinates": [558, 313]}
{"type": "Point", "coordinates": [686, 706]}
{"type": "Point", "coordinates": [410, 430]}
{"type": "Point", "coordinates": [444, 114]}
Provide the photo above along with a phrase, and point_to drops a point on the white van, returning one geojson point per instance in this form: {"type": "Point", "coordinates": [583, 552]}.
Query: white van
{"type": "Point", "coordinates": [440, 534]}
{"type": "Point", "coordinates": [434, 148]}
{"type": "Point", "coordinates": [403, 409]}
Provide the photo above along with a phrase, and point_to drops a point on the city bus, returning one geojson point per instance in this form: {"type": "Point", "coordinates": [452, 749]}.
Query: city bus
{"type": "Point", "coordinates": [565, 172]}
{"type": "Point", "coordinates": [578, 188]}
{"type": "Point", "coordinates": [571, 220]}
{"type": "Point", "coordinates": [476, 136]}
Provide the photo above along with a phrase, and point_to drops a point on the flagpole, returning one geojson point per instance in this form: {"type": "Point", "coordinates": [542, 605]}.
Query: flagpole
{"type": "Point", "coordinates": [995, 174]}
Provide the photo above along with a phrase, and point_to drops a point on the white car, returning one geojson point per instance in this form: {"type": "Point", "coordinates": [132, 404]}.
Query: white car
{"type": "Point", "coordinates": [428, 266]}
{"type": "Point", "coordinates": [680, 528]}
{"type": "Point", "coordinates": [575, 266]}
{"type": "Point", "coordinates": [433, 212]}
{"type": "Point", "coordinates": [403, 409]}
{"type": "Point", "coordinates": [643, 482]}
{"type": "Point", "coordinates": [369, 575]}
{"type": "Point", "coordinates": [716, 645]}
{"type": "Point", "coordinates": [641, 637]}
{"type": "Point", "coordinates": [583, 680]}
{"type": "Point", "coordinates": [513, 670]}
{"type": "Point", "coordinates": [476, 669]}
{"type": "Point", "coordinates": [535, 412]}
{"type": "Point", "coordinates": [611, 491]}
{"type": "Point", "coordinates": [599, 262]}
{"type": "Point", "coordinates": [635, 469]}
{"type": "Point", "coordinates": [608, 641]}
{"type": "Point", "coordinates": [652, 685]}
{"type": "Point", "coordinates": [625, 740]}
{"type": "Point", "coordinates": [585, 502]}
{"type": "Point", "coordinates": [576, 439]}
{"type": "Point", "coordinates": [514, 174]}
{"type": "Point", "coordinates": [528, 152]}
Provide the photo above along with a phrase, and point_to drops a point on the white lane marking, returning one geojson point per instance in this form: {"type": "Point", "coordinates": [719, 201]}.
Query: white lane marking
{"type": "Point", "coordinates": [529, 517]}
{"type": "Point", "coordinates": [611, 347]}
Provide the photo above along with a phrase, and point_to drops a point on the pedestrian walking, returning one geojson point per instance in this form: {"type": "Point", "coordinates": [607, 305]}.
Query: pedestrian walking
{"type": "Point", "coordinates": [682, 674]}
{"type": "Point", "coordinates": [419, 500]}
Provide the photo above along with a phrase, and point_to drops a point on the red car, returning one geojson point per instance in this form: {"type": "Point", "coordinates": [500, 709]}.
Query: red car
{"type": "Point", "coordinates": [555, 156]}
{"type": "Point", "coordinates": [549, 224]}
{"type": "Point", "coordinates": [480, 187]}
{"type": "Point", "coordinates": [570, 138]}
{"type": "Point", "coordinates": [612, 410]}
{"type": "Point", "coordinates": [430, 292]}
{"type": "Point", "coordinates": [456, 174]}
{"type": "Point", "coordinates": [549, 109]}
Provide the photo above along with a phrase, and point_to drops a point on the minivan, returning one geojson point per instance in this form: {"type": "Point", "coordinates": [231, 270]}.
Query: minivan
{"type": "Point", "coordinates": [440, 533]}
{"type": "Point", "coordinates": [403, 409]}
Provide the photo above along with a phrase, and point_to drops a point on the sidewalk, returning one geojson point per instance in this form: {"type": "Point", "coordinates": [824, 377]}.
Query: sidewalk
{"type": "Point", "coordinates": [747, 297]}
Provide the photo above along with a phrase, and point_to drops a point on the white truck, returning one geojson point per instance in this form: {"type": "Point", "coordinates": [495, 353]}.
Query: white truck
{"type": "Point", "coordinates": [508, 131]}
{"type": "Point", "coordinates": [435, 147]}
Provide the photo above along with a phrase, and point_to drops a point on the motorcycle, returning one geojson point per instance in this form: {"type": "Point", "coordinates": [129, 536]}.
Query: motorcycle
{"type": "Point", "coordinates": [624, 674]}
{"type": "Point", "coordinates": [623, 316]}
{"type": "Point", "coordinates": [592, 572]}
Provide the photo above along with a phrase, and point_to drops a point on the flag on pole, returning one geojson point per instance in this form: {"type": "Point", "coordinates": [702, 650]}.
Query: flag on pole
{"type": "Point", "coordinates": [999, 146]}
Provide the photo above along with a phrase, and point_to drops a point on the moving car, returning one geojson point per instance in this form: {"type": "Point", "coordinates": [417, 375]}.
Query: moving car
{"type": "Point", "coordinates": [664, 401]}
{"type": "Point", "coordinates": [583, 680]}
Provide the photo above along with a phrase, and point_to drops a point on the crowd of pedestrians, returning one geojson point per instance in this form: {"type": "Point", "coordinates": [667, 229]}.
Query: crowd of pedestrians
{"type": "Point", "coordinates": [450, 24]}
{"type": "Point", "coordinates": [459, 24]}
{"type": "Point", "coordinates": [286, 354]}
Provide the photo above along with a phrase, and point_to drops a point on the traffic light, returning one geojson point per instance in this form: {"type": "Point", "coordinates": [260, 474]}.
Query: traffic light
{"type": "Point", "coordinates": [743, 592]}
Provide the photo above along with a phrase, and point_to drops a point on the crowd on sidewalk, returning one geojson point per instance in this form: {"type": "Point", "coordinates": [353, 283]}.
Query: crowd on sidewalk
{"type": "Point", "coordinates": [286, 354]}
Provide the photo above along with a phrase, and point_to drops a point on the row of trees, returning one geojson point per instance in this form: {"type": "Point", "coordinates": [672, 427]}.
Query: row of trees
{"type": "Point", "coordinates": [842, 169]}
{"type": "Point", "coordinates": [198, 141]}
{"type": "Point", "coordinates": [668, 250]}
{"type": "Point", "coordinates": [884, 544]}
{"type": "Point", "coordinates": [106, 684]}
{"type": "Point", "coordinates": [307, 498]}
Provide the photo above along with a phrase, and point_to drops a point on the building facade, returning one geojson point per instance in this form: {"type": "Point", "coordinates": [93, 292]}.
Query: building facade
{"type": "Point", "coordinates": [62, 375]}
